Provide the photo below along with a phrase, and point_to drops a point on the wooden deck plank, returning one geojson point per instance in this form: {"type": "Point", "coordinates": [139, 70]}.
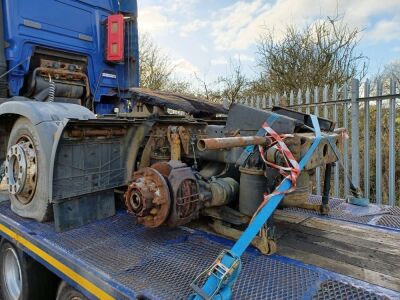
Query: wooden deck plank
{"type": "Point", "coordinates": [356, 230]}
{"type": "Point", "coordinates": [383, 280]}
{"type": "Point", "coordinates": [345, 228]}
{"type": "Point", "coordinates": [342, 239]}
{"type": "Point", "coordinates": [360, 251]}
{"type": "Point", "coordinates": [343, 252]}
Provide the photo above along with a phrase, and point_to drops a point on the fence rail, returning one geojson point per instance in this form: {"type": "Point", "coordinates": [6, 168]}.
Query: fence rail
{"type": "Point", "coordinates": [369, 112]}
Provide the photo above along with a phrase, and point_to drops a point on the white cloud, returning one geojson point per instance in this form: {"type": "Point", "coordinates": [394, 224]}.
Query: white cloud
{"type": "Point", "coordinates": [219, 61]}
{"type": "Point", "coordinates": [193, 26]}
{"type": "Point", "coordinates": [239, 25]}
{"type": "Point", "coordinates": [204, 48]}
{"type": "Point", "coordinates": [230, 21]}
{"type": "Point", "coordinates": [152, 19]}
{"type": "Point", "coordinates": [183, 6]}
{"type": "Point", "coordinates": [385, 30]}
{"type": "Point", "coordinates": [185, 67]}
{"type": "Point", "coordinates": [243, 57]}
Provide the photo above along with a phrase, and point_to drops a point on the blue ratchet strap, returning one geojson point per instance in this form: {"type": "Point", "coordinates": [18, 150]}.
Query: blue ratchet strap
{"type": "Point", "coordinates": [333, 146]}
{"type": "Point", "coordinates": [354, 189]}
{"type": "Point", "coordinates": [213, 288]}
{"type": "Point", "coordinates": [261, 132]}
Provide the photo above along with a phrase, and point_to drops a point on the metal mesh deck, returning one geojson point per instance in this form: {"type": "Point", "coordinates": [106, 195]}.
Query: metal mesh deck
{"type": "Point", "coordinates": [161, 263]}
{"type": "Point", "coordinates": [332, 289]}
{"type": "Point", "coordinates": [383, 216]}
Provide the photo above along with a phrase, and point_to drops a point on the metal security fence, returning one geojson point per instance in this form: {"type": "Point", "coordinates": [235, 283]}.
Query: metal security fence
{"type": "Point", "coordinates": [369, 112]}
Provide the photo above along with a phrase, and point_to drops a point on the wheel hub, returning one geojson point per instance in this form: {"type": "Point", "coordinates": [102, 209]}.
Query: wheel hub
{"type": "Point", "coordinates": [21, 170]}
{"type": "Point", "coordinates": [148, 197]}
{"type": "Point", "coordinates": [12, 274]}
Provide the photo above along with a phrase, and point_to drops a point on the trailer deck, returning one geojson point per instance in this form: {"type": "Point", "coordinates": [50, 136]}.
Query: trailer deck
{"type": "Point", "coordinates": [115, 258]}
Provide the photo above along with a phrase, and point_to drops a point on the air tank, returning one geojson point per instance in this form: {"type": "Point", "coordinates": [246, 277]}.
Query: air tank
{"type": "Point", "coordinates": [253, 185]}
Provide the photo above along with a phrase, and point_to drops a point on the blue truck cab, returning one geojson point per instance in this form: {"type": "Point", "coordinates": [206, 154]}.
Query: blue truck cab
{"type": "Point", "coordinates": [69, 36]}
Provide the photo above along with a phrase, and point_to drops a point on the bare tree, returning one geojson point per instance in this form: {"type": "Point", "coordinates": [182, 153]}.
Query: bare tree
{"type": "Point", "coordinates": [155, 66]}
{"type": "Point", "coordinates": [322, 53]}
{"type": "Point", "coordinates": [177, 85]}
{"type": "Point", "coordinates": [157, 69]}
{"type": "Point", "coordinates": [206, 91]}
{"type": "Point", "coordinates": [392, 69]}
{"type": "Point", "coordinates": [384, 77]}
{"type": "Point", "coordinates": [230, 87]}
{"type": "Point", "coordinates": [234, 83]}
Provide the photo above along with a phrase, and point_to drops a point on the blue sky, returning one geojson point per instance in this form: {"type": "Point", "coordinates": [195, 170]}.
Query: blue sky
{"type": "Point", "coordinates": [201, 36]}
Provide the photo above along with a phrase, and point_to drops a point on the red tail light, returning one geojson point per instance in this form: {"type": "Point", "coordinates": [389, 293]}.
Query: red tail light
{"type": "Point", "coordinates": [115, 38]}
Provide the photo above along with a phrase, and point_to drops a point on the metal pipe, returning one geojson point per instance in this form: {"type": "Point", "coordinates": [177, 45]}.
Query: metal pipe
{"type": "Point", "coordinates": [366, 140]}
{"type": "Point", "coordinates": [335, 119]}
{"type": "Point", "coordinates": [80, 133]}
{"type": "Point", "coordinates": [355, 133]}
{"type": "Point", "coordinates": [346, 142]}
{"type": "Point", "coordinates": [378, 151]}
{"type": "Point", "coordinates": [232, 142]}
{"type": "Point", "coordinates": [343, 100]}
{"type": "Point", "coordinates": [392, 155]}
{"type": "Point", "coordinates": [318, 169]}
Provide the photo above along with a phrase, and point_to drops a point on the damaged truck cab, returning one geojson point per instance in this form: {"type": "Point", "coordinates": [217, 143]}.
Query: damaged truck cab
{"type": "Point", "coordinates": [63, 61]}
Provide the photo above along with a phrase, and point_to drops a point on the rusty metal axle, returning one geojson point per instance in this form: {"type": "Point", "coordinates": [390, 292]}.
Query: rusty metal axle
{"type": "Point", "coordinates": [232, 142]}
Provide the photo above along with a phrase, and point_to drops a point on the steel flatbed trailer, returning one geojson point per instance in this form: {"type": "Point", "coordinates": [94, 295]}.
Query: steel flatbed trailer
{"type": "Point", "coordinates": [116, 259]}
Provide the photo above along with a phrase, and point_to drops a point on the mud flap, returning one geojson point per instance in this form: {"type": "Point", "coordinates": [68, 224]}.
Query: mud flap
{"type": "Point", "coordinates": [78, 211]}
